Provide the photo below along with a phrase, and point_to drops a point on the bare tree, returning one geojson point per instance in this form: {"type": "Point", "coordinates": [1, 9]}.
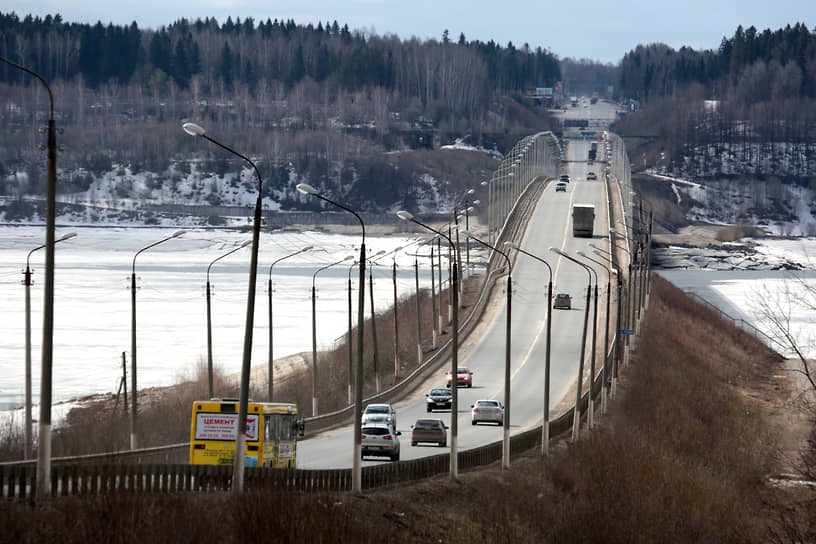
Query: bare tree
{"type": "Point", "coordinates": [776, 307]}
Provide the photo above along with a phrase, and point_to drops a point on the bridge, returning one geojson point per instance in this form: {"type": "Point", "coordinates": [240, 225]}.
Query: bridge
{"type": "Point", "coordinates": [527, 212]}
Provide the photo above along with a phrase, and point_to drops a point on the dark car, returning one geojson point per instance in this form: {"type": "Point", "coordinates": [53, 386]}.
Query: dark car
{"type": "Point", "coordinates": [429, 430]}
{"type": "Point", "coordinates": [564, 178]}
{"type": "Point", "coordinates": [562, 300]}
{"type": "Point", "coordinates": [438, 399]}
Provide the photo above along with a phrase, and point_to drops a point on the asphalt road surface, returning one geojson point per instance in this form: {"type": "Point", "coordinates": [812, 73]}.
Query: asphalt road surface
{"type": "Point", "coordinates": [549, 226]}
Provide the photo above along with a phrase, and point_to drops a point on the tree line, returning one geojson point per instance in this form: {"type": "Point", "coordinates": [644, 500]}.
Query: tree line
{"type": "Point", "coordinates": [219, 58]}
{"type": "Point", "coordinates": [749, 67]}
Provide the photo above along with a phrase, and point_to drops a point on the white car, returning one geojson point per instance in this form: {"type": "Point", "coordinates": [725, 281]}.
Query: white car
{"type": "Point", "coordinates": [487, 411]}
{"type": "Point", "coordinates": [380, 439]}
{"type": "Point", "coordinates": [381, 409]}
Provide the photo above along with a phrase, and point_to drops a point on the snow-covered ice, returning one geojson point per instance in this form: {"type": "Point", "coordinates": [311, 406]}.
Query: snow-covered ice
{"type": "Point", "coordinates": [92, 309]}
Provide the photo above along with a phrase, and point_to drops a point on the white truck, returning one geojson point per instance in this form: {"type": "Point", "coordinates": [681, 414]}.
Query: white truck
{"type": "Point", "coordinates": [583, 220]}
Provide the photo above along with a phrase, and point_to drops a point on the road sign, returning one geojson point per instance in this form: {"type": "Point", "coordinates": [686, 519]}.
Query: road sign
{"type": "Point", "coordinates": [627, 331]}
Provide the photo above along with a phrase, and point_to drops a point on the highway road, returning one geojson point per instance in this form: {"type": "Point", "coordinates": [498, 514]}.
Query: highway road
{"type": "Point", "coordinates": [549, 225]}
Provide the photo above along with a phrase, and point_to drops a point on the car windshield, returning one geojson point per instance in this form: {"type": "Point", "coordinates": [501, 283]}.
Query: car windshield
{"type": "Point", "coordinates": [440, 392]}
{"type": "Point", "coordinates": [487, 403]}
{"type": "Point", "coordinates": [426, 424]}
{"type": "Point", "coordinates": [377, 410]}
{"type": "Point", "coordinates": [462, 371]}
{"type": "Point", "coordinates": [375, 431]}
{"type": "Point", "coordinates": [562, 295]}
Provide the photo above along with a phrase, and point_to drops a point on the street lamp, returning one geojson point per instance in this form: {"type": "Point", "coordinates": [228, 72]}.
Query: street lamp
{"type": "Point", "coordinates": [246, 365]}
{"type": "Point", "coordinates": [27, 282]}
{"type": "Point", "coordinates": [348, 339]}
{"type": "Point", "coordinates": [590, 400]}
{"type": "Point", "coordinates": [209, 319]}
{"type": "Point", "coordinates": [576, 417]}
{"type": "Point", "coordinates": [434, 320]}
{"type": "Point", "coordinates": [454, 461]}
{"type": "Point", "coordinates": [350, 328]}
{"type": "Point", "coordinates": [506, 436]}
{"type": "Point", "coordinates": [134, 442]}
{"type": "Point", "coordinates": [545, 430]}
{"type": "Point", "coordinates": [489, 186]}
{"type": "Point", "coordinates": [609, 272]}
{"type": "Point", "coordinates": [356, 469]}
{"type": "Point", "coordinates": [375, 355]}
{"type": "Point", "coordinates": [271, 370]}
{"type": "Point", "coordinates": [314, 330]}
{"type": "Point", "coordinates": [43, 489]}
{"type": "Point", "coordinates": [396, 324]}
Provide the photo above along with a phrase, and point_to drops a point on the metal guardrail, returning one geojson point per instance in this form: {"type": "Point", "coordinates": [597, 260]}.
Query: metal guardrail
{"type": "Point", "coordinates": [86, 475]}
{"type": "Point", "coordinates": [741, 323]}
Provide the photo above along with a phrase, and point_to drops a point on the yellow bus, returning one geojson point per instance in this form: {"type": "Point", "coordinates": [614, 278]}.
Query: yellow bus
{"type": "Point", "coordinates": [271, 436]}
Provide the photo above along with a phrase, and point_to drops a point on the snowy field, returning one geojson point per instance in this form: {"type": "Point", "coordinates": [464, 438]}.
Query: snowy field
{"type": "Point", "coordinates": [92, 310]}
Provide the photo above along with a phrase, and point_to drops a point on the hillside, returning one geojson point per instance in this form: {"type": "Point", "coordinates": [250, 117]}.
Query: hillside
{"type": "Point", "coordinates": [359, 116]}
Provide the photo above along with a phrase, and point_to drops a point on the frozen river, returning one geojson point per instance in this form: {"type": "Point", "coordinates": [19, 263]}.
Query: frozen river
{"type": "Point", "coordinates": [92, 309]}
{"type": "Point", "coordinates": [739, 294]}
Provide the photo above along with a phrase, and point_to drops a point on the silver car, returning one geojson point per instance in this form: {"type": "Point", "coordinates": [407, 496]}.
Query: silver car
{"type": "Point", "coordinates": [380, 439]}
{"type": "Point", "coordinates": [381, 409]}
{"type": "Point", "coordinates": [487, 411]}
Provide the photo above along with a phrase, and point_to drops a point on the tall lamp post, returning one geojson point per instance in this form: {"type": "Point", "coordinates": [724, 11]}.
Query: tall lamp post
{"type": "Point", "coordinates": [271, 370]}
{"type": "Point", "coordinates": [314, 330]}
{"type": "Point", "coordinates": [43, 489]}
{"type": "Point", "coordinates": [506, 435]}
{"type": "Point", "coordinates": [27, 282]}
{"type": "Point", "coordinates": [434, 320]}
{"type": "Point", "coordinates": [545, 430]}
{"type": "Point", "coordinates": [246, 365]}
{"type": "Point", "coordinates": [134, 441]}
{"type": "Point", "coordinates": [396, 323]}
{"type": "Point", "coordinates": [356, 468]}
{"type": "Point", "coordinates": [375, 353]}
{"type": "Point", "coordinates": [418, 312]}
{"type": "Point", "coordinates": [454, 461]}
{"type": "Point", "coordinates": [350, 328]}
{"type": "Point", "coordinates": [209, 318]}
{"type": "Point", "coordinates": [609, 272]}
{"type": "Point", "coordinates": [576, 417]}
{"type": "Point", "coordinates": [348, 340]}
{"type": "Point", "coordinates": [590, 399]}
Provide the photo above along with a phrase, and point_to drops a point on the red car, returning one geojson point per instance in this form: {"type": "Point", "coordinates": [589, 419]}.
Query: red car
{"type": "Point", "coordinates": [463, 377]}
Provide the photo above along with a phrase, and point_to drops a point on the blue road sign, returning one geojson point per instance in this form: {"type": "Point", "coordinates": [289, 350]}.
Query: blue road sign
{"type": "Point", "coordinates": [627, 331]}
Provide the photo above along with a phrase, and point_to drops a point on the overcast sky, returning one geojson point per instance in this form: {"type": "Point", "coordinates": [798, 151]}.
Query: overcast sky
{"type": "Point", "coordinates": [593, 29]}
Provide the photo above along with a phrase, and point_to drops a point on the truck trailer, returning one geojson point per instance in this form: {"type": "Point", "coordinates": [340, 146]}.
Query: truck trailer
{"type": "Point", "coordinates": [583, 220]}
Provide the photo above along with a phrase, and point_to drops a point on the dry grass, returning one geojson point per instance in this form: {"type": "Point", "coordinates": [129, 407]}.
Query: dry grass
{"type": "Point", "coordinates": [682, 457]}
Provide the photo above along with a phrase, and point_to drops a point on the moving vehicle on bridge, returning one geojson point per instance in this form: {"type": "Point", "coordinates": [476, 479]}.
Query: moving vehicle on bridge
{"type": "Point", "coordinates": [583, 220]}
{"type": "Point", "coordinates": [429, 430]}
{"type": "Point", "coordinates": [463, 377]}
{"type": "Point", "coordinates": [272, 431]}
